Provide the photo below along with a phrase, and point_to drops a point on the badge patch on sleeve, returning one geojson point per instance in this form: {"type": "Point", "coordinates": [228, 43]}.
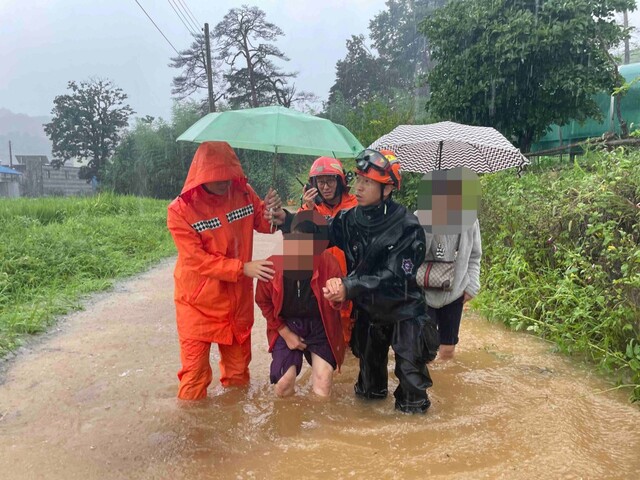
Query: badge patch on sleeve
{"type": "Point", "coordinates": [407, 266]}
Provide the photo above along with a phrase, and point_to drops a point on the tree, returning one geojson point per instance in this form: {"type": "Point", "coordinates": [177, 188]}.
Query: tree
{"type": "Point", "coordinates": [193, 77]}
{"type": "Point", "coordinates": [148, 161]}
{"type": "Point", "coordinates": [401, 59]}
{"type": "Point", "coordinates": [254, 79]}
{"type": "Point", "coordinates": [396, 36]}
{"type": "Point", "coordinates": [359, 76]}
{"type": "Point", "coordinates": [307, 102]}
{"type": "Point", "coordinates": [522, 65]}
{"type": "Point", "coordinates": [87, 124]}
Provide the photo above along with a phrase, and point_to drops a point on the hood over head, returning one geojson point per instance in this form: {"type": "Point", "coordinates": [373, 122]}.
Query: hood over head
{"type": "Point", "coordinates": [213, 162]}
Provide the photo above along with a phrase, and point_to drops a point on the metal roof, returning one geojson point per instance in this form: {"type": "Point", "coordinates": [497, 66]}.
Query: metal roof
{"type": "Point", "coordinates": [9, 171]}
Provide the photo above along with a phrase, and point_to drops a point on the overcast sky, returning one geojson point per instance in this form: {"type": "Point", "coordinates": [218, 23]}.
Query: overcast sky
{"type": "Point", "coordinates": [46, 43]}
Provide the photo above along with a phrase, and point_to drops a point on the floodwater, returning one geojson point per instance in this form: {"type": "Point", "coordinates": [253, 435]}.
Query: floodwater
{"type": "Point", "coordinates": [95, 399]}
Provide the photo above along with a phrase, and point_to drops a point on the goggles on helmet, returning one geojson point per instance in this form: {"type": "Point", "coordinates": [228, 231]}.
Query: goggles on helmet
{"type": "Point", "coordinates": [369, 158]}
{"type": "Point", "coordinates": [372, 159]}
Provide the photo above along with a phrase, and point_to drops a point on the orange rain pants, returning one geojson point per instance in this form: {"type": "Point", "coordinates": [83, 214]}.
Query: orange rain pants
{"type": "Point", "coordinates": [196, 375]}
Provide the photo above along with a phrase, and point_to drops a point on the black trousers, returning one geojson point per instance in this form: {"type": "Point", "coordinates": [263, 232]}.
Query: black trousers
{"type": "Point", "coordinates": [448, 319]}
{"type": "Point", "coordinates": [414, 341]}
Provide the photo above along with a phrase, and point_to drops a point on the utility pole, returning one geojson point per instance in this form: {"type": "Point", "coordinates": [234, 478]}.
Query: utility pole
{"type": "Point", "coordinates": [627, 54]}
{"type": "Point", "coordinates": [10, 156]}
{"type": "Point", "coordinates": [212, 106]}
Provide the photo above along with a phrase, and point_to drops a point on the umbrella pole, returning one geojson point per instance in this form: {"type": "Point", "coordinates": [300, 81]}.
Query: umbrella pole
{"type": "Point", "coordinates": [273, 185]}
{"type": "Point", "coordinates": [273, 175]}
{"type": "Point", "coordinates": [439, 162]}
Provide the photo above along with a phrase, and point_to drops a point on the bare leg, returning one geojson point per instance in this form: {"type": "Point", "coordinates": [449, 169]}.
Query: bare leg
{"type": "Point", "coordinates": [286, 386]}
{"type": "Point", "coordinates": [445, 352]}
{"type": "Point", "coordinates": [321, 376]}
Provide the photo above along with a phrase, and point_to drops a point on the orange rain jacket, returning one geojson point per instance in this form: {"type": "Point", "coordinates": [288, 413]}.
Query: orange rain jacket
{"type": "Point", "coordinates": [347, 201]}
{"type": "Point", "coordinates": [328, 211]}
{"type": "Point", "coordinates": [270, 295]}
{"type": "Point", "coordinates": [214, 238]}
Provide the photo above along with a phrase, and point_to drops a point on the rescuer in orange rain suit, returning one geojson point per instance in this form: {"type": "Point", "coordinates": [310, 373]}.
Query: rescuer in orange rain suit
{"type": "Point", "coordinates": [212, 223]}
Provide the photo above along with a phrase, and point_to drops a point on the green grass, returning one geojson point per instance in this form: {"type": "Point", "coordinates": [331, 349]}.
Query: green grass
{"type": "Point", "coordinates": [55, 250]}
{"type": "Point", "coordinates": [562, 257]}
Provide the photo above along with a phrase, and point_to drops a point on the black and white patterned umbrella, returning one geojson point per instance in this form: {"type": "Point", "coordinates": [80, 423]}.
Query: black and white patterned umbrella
{"type": "Point", "coordinates": [446, 145]}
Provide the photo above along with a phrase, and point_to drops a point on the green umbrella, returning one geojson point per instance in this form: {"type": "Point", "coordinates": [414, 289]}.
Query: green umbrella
{"type": "Point", "coordinates": [276, 130]}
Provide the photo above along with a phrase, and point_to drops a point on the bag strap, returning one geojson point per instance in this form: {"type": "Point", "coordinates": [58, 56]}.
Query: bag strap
{"type": "Point", "coordinates": [458, 245]}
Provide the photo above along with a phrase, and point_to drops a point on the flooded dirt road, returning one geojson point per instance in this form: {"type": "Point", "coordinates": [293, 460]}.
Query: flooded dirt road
{"type": "Point", "coordinates": [96, 400]}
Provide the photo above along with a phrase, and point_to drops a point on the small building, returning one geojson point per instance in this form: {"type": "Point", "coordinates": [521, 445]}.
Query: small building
{"type": "Point", "coordinates": [40, 178]}
{"type": "Point", "coordinates": [23, 159]}
{"type": "Point", "coordinates": [9, 182]}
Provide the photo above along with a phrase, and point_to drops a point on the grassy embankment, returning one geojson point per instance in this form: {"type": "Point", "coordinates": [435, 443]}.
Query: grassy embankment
{"type": "Point", "coordinates": [562, 258]}
{"type": "Point", "coordinates": [54, 250]}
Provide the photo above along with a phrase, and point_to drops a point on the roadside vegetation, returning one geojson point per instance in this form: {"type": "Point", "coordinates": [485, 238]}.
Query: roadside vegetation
{"type": "Point", "coordinates": [55, 250]}
{"type": "Point", "coordinates": [562, 257]}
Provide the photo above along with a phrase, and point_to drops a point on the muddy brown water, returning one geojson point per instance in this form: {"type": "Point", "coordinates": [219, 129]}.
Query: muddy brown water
{"type": "Point", "coordinates": [96, 400]}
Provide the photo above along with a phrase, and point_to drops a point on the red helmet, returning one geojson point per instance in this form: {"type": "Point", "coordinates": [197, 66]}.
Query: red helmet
{"type": "Point", "coordinates": [381, 166]}
{"type": "Point", "coordinates": [328, 166]}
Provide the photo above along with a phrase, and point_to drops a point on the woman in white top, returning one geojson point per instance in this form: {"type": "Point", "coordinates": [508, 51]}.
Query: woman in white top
{"type": "Point", "coordinates": [446, 306]}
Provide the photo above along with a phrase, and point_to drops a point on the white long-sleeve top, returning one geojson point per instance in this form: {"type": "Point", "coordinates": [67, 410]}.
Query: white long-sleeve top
{"type": "Point", "coordinates": [466, 277]}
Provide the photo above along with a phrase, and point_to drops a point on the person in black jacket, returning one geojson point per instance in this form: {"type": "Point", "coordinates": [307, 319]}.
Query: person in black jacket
{"type": "Point", "coordinates": [384, 244]}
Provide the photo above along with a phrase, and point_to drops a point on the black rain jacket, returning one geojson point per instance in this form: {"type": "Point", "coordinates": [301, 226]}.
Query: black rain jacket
{"type": "Point", "coordinates": [383, 252]}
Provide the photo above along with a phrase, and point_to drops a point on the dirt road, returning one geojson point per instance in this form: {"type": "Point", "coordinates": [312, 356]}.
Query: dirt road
{"type": "Point", "coordinates": [95, 399]}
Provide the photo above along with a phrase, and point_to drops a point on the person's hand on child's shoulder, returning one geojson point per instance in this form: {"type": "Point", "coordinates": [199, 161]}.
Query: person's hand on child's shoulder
{"type": "Point", "coordinates": [259, 269]}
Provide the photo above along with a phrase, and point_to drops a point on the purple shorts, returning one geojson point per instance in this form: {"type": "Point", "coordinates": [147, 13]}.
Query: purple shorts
{"type": "Point", "coordinates": [312, 331]}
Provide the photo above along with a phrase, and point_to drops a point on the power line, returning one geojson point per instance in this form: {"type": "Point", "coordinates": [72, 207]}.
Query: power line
{"type": "Point", "coordinates": [195, 20]}
{"type": "Point", "coordinates": [180, 16]}
{"type": "Point", "coordinates": [183, 18]}
{"type": "Point", "coordinates": [183, 8]}
{"type": "Point", "coordinates": [154, 23]}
